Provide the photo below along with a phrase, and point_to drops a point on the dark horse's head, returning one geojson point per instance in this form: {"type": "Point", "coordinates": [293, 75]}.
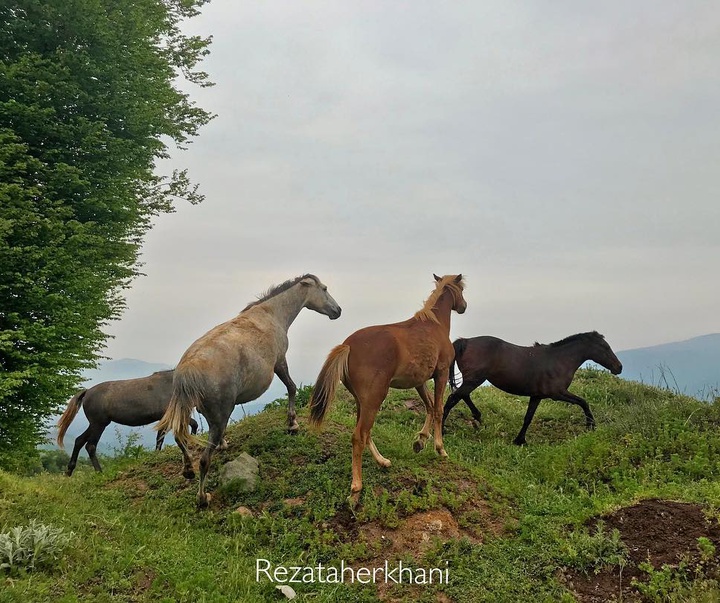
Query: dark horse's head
{"type": "Point", "coordinates": [601, 353]}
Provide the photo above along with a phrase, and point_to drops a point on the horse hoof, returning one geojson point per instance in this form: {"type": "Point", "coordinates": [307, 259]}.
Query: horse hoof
{"type": "Point", "coordinates": [385, 463]}
{"type": "Point", "coordinates": [591, 426]}
{"type": "Point", "coordinates": [519, 442]}
{"type": "Point", "coordinates": [203, 501]}
{"type": "Point", "coordinates": [418, 446]}
{"type": "Point", "coordinates": [442, 453]}
{"type": "Point", "coordinates": [353, 500]}
{"type": "Point", "coordinates": [189, 474]}
{"type": "Point", "coordinates": [476, 424]}
{"type": "Point", "coordinates": [293, 429]}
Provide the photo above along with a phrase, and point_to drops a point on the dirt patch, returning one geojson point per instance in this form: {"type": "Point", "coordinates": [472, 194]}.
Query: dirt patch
{"type": "Point", "coordinates": [134, 487]}
{"type": "Point", "coordinates": [413, 536]}
{"type": "Point", "coordinates": [655, 531]}
{"type": "Point", "coordinates": [415, 405]}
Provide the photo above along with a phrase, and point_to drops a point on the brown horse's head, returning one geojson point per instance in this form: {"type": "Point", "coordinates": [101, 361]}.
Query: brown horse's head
{"type": "Point", "coordinates": [602, 353]}
{"type": "Point", "coordinates": [318, 298]}
{"type": "Point", "coordinates": [454, 284]}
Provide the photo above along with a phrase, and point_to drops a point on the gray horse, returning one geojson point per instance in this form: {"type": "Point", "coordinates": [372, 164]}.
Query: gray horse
{"type": "Point", "coordinates": [128, 402]}
{"type": "Point", "coordinates": [234, 363]}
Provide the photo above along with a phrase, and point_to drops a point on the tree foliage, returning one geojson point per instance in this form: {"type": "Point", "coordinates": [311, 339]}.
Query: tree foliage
{"type": "Point", "coordinates": [89, 102]}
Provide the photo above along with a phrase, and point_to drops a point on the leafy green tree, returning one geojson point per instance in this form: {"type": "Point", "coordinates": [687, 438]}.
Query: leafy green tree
{"type": "Point", "coordinates": [89, 103]}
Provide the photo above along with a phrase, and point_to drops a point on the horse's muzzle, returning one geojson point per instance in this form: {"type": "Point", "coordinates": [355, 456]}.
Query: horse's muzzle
{"type": "Point", "coordinates": [335, 314]}
{"type": "Point", "coordinates": [617, 369]}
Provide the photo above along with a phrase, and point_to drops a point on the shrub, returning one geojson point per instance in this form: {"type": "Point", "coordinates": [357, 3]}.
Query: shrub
{"type": "Point", "coordinates": [29, 546]}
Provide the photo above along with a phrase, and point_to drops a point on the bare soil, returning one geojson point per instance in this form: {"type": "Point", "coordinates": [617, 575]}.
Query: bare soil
{"type": "Point", "coordinates": [655, 531]}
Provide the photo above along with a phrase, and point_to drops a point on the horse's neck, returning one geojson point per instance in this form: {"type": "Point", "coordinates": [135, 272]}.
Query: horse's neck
{"type": "Point", "coordinates": [285, 306]}
{"type": "Point", "coordinates": [442, 310]}
{"type": "Point", "coordinates": [576, 351]}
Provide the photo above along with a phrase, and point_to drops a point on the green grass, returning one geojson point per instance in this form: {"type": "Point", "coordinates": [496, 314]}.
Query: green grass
{"type": "Point", "coordinates": [138, 537]}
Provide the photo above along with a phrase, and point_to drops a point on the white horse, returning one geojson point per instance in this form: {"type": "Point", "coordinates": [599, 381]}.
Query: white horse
{"type": "Point", "coordinates": [234, 363]}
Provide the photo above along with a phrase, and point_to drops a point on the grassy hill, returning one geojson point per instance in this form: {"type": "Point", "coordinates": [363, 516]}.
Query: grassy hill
{"type": "Point", "coordinates": [575, 515]}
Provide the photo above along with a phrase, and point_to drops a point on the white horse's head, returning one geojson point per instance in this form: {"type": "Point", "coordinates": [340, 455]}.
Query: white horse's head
{"type": "Point", "coordinates": [318, 299]}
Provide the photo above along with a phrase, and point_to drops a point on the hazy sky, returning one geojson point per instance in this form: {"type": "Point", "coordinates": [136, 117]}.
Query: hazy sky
{"type": "Point", "coordinates": [564, 156]}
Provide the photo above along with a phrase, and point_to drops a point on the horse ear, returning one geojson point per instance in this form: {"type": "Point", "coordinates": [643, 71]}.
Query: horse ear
{"type": "Point", "coordinates": [458, 278]}
{"type": "Point", "coordinates": [306, 282]}
{"type": "Point", "coordinates": [437, 278]}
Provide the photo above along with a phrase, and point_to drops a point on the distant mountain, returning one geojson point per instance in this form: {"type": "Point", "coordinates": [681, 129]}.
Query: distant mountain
{"type": "Point", "coordinates": [129, 368]}
{"type": "Point", "coordinates": [690, 367]}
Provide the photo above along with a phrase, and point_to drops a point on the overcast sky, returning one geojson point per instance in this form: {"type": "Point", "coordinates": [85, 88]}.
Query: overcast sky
{"type": "Point", "coordinates": [564, 156]}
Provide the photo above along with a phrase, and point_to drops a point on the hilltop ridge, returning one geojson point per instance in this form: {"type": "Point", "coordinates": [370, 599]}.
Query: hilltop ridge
{"type": "Point", "coordinates": [510, 523]}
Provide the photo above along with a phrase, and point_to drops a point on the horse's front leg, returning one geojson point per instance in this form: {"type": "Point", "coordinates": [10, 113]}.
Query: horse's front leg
{"type": "Point", "coordinates": [281, 370]}
{"type": "Point", "coordinates": [440, 378]}
{"type": "Point", "coordinates": [566, 396]}
{"type": "Point", "coordinates": [424, 434]}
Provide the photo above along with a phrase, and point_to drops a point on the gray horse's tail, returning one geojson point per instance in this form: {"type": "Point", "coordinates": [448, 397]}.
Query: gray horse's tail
{"type": "Point", "coordinates": [331, 373]}
{"type": "Point", "coordinates": [459, 345]}
{"type": "Point", "coordinates": [70, 413]}
{"type": "Point", "coordinates": [187, 395]}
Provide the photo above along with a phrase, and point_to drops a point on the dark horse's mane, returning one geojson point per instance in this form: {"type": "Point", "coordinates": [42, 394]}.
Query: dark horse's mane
{"type": "Point", "coordinates": [573, 338]}
{"type": "Point", "coordinates": [277, 289]}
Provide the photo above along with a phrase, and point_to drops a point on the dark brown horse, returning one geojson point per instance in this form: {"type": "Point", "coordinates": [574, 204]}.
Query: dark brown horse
{"type": "Point", "coordinates": [401, 355]}
{"type": "Point", "coordinates": [540, 371]}
{"type": "Point", "coordinates": [128, 402]}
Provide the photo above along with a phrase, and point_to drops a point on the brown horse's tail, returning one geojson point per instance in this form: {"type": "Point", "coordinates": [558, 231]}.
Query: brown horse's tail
{"type": "Point", "coordinates": [459, 345]}
{"type": "Point", "coordinates": [331, 373]}
{"type": "Point", "coordinates": [187, 395]}
{"type": "Point", "coordinates": [70, 413]}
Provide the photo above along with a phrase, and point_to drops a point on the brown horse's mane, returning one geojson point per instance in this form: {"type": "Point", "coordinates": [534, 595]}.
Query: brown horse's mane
{"type": "Point", "coordinates": [277, 289]}
{"type": "Point", "coordinates": [426, 313]}
{"type": "Point", "coordinates": [573, 338]}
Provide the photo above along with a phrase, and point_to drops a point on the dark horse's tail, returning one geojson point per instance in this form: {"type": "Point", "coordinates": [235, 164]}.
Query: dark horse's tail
{"type": "Point", "coordinates": [70, 413]}
{"type": "Point", "coordinates": [459, 345]}
{"type": "Point", "coordinates": [331, 373]}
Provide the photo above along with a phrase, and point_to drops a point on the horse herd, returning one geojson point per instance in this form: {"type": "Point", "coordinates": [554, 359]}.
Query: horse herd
{"type": "Point", "coordinates": [234, 363]}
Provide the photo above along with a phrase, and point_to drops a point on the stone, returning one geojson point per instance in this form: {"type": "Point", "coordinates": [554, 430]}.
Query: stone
{"type": "Point", "coordinates": [244, 468]}
{"type": "Point", "coordinates": [287, 591]}
{"type": "Point", "coordinates": [244, 512]}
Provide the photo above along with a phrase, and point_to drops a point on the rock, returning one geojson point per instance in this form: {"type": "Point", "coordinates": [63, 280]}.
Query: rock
{"type": "Point", "coordinates": [287, 591]}
{"type": "Point", "coordinates": [244, 468]}
{"type": "Point", "coordinates": [244, 512]}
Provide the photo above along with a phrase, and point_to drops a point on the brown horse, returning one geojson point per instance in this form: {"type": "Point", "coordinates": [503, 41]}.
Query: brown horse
{"type": "Point", "coordinates": [540, 371]}
{"type": "Point", "coordinates": [128, 402]}
{"type": "Point", "coordinates": [400, 355]}
{"type": "Point", "coordinates": [234, 363]}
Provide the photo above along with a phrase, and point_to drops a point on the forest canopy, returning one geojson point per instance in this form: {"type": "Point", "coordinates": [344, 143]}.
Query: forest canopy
{"type": "Point", "coordinates": [89, 103]}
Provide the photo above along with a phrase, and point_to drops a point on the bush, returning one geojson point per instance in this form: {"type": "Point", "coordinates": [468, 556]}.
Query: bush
{"type": "Point", "coordinates": [30, 546]}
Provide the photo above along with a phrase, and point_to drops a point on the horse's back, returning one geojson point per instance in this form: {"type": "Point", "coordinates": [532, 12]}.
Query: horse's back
{"type": "Point", "coordinates": [129, 401]}
{"type": "Point", "coordinates": [235, 360]}
{"type": "Point", "coordinates": [406, 353]}
{"type": "Point", "coordinates": [518, 370]}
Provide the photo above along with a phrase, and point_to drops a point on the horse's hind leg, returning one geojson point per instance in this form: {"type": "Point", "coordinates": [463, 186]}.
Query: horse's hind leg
{"type": "Point", "coordinates": [217, 426]}
{"type": "Point", "coordinates": [462, 393]}
{"type": "Point", "coordinates": [379, 458]}
{"type": "Point", "coordinates": [367, 409]}
{"type": "Point", "coordinates": [96, 432]}
{"type": "Point", "coordinates": [79, 443]}
{"type": "Point", "coordinates": [159, 440]}
{"type": "Point", "coordinates": [529, 414]}
{"type": "Point", "coordinates": [573, 399]}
